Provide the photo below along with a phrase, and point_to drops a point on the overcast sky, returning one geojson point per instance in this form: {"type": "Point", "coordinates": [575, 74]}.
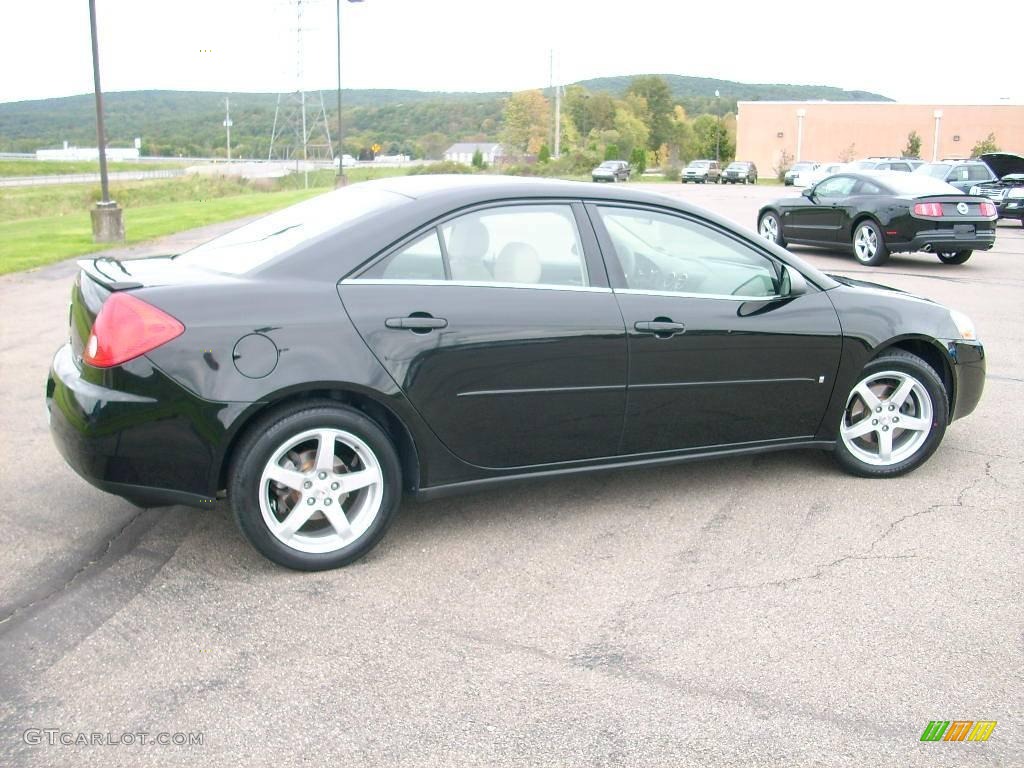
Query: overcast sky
{"type": "Point", "coordinates": [908, 51]}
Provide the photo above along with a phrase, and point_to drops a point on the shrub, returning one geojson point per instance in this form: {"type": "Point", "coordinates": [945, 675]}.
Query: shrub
{"type": "Point", "coordinates": [544, 155]}
{"type": "Point", "coordinates": [671, 173]}
{"type": "Point", "coordinates": [445, 166]}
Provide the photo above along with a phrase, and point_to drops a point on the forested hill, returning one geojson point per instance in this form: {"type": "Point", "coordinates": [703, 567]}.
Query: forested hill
{"type": "Point", "coordinates": [417, 122]}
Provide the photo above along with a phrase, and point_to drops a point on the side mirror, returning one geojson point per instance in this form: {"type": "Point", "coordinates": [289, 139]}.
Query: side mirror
{"type": "Point", "coordinates": [808, 192]}
{"type": "Point", "coordinates": [793, 283]}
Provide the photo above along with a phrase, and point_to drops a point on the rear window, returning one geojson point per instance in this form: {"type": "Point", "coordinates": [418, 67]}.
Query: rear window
{"type": "Point", "coordinates": [917, 184]}
{"type": "Point", "coordinates": [257, 242]}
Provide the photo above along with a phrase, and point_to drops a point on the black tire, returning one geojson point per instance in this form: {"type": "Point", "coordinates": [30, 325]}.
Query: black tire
{"type": "Point", "coordinates": [779, 239]}
{"type": "Point", "coordinates": [954, 257]}
{"type": "Point", "coordinates": [905, 362]}
{"type": "Point", "coordinates": [881, 253]}
{"type": "Point", "coordinates": [256, 450]}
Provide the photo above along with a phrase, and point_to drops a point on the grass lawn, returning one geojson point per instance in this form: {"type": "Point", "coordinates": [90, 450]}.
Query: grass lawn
{"type": "Point", "coordinates": [34, 242]}
{"type": "Point", "coordinates": [56, 167]}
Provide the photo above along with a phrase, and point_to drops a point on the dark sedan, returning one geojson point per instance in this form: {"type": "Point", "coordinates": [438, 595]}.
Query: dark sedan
{"type": "Point", "coordinates": [433, 335]}
{"type": "Point", "coordinates": [877, 213]}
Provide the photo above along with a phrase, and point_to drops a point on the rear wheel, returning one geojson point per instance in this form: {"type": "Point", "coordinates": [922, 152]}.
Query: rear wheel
{"type": "Point", "coordinates": [868, 245]}
{"type": "Point", "coordinates": [770, 229]}
{"type": "Point", "coordinates": [316, 486]}
{"type": "Point", "coordinates": [954, 257]}
{"type": "Point", "coordinates": [895, 417]}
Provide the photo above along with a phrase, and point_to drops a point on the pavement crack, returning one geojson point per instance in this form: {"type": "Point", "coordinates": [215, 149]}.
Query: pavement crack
{"type": "Point", "coordinates": [97, 556]}
{"type": "Point", "coordinates": [865, 554]}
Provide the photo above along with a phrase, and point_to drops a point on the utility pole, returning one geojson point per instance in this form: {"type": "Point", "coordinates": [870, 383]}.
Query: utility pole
{"type": "Point", "coordinates": [718, 131]}
{"type": "Point", "coordinates": [227, 122]}
{"type": "Point", "coordinates": [558, 120]}
{"type": "Point", "coordinates": [341, 180]}
{"type": "Point", "coordinates": [107, 224]}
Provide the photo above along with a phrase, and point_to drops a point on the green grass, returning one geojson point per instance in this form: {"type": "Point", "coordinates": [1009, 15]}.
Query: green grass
{"type": "Point", "coordinates": [57, 167]}
{"type": "Point", "coordinates": [35, 242]}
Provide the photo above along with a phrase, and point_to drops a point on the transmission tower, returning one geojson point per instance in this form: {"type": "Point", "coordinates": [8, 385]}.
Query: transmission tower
{"type": "Point", "coordinates": [301, 130]}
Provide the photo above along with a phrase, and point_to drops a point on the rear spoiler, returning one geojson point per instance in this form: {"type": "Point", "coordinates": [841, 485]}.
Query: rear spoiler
{"type": "Point", "coordinates": [109, 273]}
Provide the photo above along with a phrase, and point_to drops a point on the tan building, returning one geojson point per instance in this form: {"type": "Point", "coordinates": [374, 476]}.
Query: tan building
{"type": "Point", "coordinates": [833, 130]}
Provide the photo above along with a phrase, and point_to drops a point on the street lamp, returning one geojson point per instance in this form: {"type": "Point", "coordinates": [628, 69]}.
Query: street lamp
{"type": "Point", "coordinates": [800, 115]}
{"type": "Point", "coordinates": [341, 180]}
{"type": "Point", "coordinates": [107, 224]}
{"type": "Point", "coordinates": [935, 144]}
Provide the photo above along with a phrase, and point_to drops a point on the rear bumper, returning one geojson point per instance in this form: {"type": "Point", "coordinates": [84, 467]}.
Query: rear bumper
{"type": "Point", "coordinates": [967, 361]}
{"type": "Point", "coordinates": [142, 448]}
{"type": "Point", "coordinates": [948, 240]}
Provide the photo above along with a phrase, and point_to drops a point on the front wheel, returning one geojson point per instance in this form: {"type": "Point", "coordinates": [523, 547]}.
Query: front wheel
{"type": "Point", "coordinates": [770, 229]}
{"type": "Point", "coordinates": [316, 486]}
{"type": "Point", "coordinates": [954, 257]}
{"type": "Point", "coordinates": [869, 245]}
{"type": "Point", "coordinates": [894, 419]}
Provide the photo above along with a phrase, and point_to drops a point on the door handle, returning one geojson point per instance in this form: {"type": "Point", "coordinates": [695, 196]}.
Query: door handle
{"type": "Point", "coordinates": [661, 327]}
{"type": "Point", "coordinates": [416, 323]}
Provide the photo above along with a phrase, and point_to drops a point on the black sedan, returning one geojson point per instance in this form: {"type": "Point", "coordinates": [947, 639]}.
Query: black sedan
{"type": "Point", "coordinates": [875, 213]}
{"type": "Point", "coordinates": [432, 335]}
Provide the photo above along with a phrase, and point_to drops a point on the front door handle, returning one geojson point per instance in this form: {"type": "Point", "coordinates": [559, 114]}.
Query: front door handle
{"type": "Point", "coordinates": [662, 327]}
{"type": "Point", "coordinates": [418, 323]}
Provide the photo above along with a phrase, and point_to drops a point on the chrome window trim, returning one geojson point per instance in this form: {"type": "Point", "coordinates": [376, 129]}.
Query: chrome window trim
{"type": "Point", "coordinates": [476, 284]}
{"type": "Point", "coordinates": [684, 295]}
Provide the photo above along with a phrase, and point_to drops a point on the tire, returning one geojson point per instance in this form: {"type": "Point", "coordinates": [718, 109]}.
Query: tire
{"type": "Point", "coordinates": [869, 245]}
{"type": "Point", "coordinates": [288, 444]}
{"type": "Point", "coordinates": [954, 257]}
{"type": "Point", "coordinates": [925, 404]}
{"type": "Point", "coordinates": [770, 231]}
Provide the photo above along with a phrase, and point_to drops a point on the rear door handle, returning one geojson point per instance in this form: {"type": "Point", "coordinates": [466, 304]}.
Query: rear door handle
{"type": "Point", "coordinates": [662, 327]}
{"type": "Point", "coordinates": [420, 323]}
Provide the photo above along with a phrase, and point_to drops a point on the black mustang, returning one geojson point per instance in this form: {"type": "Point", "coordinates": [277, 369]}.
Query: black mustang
{"type": "Point", "coordinates": [881, 212]}
{"type": "Point", "coordinates": [435, 334]}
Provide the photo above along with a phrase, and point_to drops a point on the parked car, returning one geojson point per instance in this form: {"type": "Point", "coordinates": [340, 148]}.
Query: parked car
{"type": "Point", "coordinates": [789, 178]}
{"type": "Point", "coordinates": [902, 164]}
{"type": "Point", "coordinates": [1007, 192]}
{"type": "Point", "coordinates": [611, 170]}
{"type": "Point", "coordinates": [442, 334]}
{"type": "Point", "coordinates": [876, 213]}
{"type": "Point", "coordinates": [822, 171]}
{"type": "Point", "coordinates": [962, 174]}
{"type": "Point", "coordinates": [740, 171]}
{"type": "Point", "coordinates": [701, 172]}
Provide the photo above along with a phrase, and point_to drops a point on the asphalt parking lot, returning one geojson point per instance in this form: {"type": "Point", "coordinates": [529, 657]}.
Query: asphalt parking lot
{"type": "Point", "coordinates": [754, 611]}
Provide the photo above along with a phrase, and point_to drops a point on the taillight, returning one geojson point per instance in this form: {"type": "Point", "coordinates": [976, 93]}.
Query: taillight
{"type": "Point", "coordinates": [125, 328]}
{"type": "Point", "coordinates": [927, 209]}
{"type": "Point", "coordinates": [988, 209]}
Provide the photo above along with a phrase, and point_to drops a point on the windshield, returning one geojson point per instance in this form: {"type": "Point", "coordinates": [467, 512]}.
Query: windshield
{"type": "Point", "coordinates": [609, 164]}
{"type": "Point", "coordinates": [737, 167]}
{"type": "Point", "coordinates": [864, 165]}
{"type": "Point", "coordinates": [699, 164]}
{"type": "Point", "coordinates": [802, 167]}
{"type": "Point", "coordinates": [256, 243]}
{"type": "Point", "coordinates": [938, 170]}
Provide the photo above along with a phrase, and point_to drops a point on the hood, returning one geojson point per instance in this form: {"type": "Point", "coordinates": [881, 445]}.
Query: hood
{"type": "Point", "coordinates": [1003, 163]}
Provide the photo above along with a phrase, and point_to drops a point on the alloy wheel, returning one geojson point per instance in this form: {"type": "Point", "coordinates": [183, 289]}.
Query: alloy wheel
{"type": "Point", "coordinates": [865, 243]}
{"type": "Point", "coordinates": [321, 490]}
{"type": "Point", "coordinates": [769, 228]}
{"type": "Point", "coordinates": [888, 418]}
